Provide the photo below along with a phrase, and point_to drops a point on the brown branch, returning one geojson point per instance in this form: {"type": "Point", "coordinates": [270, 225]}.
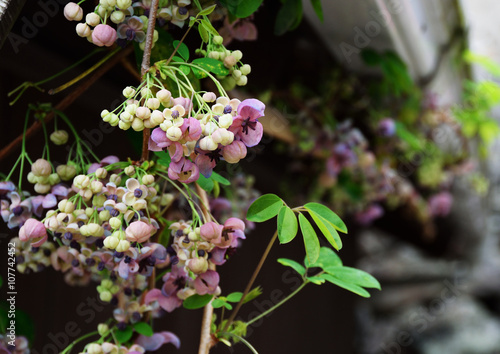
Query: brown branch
{"type": "Point", "coordinates": [66, 101]}
{"type": "Point", "coordinates": [146, 58]}
{"type": "Point", "coordinates": [206, 340]}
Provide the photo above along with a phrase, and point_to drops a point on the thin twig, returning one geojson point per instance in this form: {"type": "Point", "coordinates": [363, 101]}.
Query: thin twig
{"type": "Point", "coordinates": [66, 101]}
{"type": "Point", "coordinates": [146, 59]}
{"type": "Point", "coordinates": [251, 281]}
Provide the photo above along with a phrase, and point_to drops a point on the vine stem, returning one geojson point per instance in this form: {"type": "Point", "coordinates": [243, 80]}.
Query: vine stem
{"type": "Point", "coordinates": [251, 281]}
{"type": "Point", "coordinates": [146, 61]}
{"type": "Point", "coordinates": [206, 340]}
{"type": "Point", "coordinates": [66, 101]}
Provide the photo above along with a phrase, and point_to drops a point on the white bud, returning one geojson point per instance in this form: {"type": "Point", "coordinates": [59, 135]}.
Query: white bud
{"type": "Point", "coordinates": [117, 17]}
{"type": "Point", "coordinates": [245, 69]}
{"type": "Point", "coordinates": [174, 133]}
{"type": "Point", "coordinates": [128, 92]}
{"type": "Point", "coordinates": [92, 19]}
{"type": "Point", "coordinates": [59, 137]}
{"type": "Point", "coordinates": [137, 124]}
{"type": "Point", "coordinates": [123, 125]}
{"type": "Point", "coordinates": [123, 4]}
{"type": "Point", "coordinates": [242, 81]}
{"type": "Point", "coordinates": [143, 112]}
{"type": "Point", "coordinates": [163, 96]}
{"type": "Point", "coordinates": [208, 144]}
{"type": "Point", "coordinates": [237, 54]}
{"type": "Point", "coordinates": [157, 117]}
{"type": "Point", "coordinates": [209, 97]}
{"type": "Point", "coordinates": [153, 103]}
{"type": "Point", "coordinates": [225, 120]}
{"type": "Point", "coordinates": [83, 30]}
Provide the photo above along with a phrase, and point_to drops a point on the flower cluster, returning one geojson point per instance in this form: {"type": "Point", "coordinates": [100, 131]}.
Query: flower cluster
{"type": "Point", "coordinates": [130, 17]}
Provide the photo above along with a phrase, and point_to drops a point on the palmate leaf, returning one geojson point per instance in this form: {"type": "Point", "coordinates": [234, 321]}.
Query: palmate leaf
{"type": "Point", "coordinates": [292, 264]}
{"type": "Point", "coordinates": [327, 214]}
{"type": "Point", "coordinates": [264, 208]}
{"type": "Point", "coordinates": [327, 258]}
{"type": "Point", "coordinates": [143, 328]}
{"type": "Point", "coordinates": [196, 301]}
{"type": "Point", "coordinates": [328, 230]}
{"type": "Point", "coordinates": [125, 335]}
{"type": "Point", "coordinates": [353, 276]}
{"type": "Point", "coordinates": [311, 242]}
{"type": "Point", "coordinates": [241, 8]}
{"type": "Point", "coordinates": [287, 224]}
{"type": "Point", "coordinates": [348, 286]}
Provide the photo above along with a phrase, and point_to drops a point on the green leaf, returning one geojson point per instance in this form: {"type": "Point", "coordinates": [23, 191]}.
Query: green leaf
{"type": "Point", "coordinates": [218, 178]}
{"type": "Point", "coordinates": [143, 328]}
{"type": "Point", "coordinates": [177, 59]}
{"type": "Point", "coordinates": [252, 294]}
{"type": "Point", "coordinates": [125, 335]}
{"type": "Point", "coordinates": [197, 301]}
{"type": "Point", "coordinates": [311, 241]}
{"type": "Point", "coordinates": [354, 276]}
{"type": "Point", "coordinates": [212, 65]}
{"type": "Point", "coordinates": [327, 214]}
{"type": "Point", "coordinates": [185, 69]}
{"type": "Point", "coordinates": [183, 49]}
{"type": "Point", "coordinates": [241, 8]}
{"type": "Point", "coordinates": [316, 4]}
{"type": "Point", "coordinates": [206, 183]}
{"type": "Point", "coordinates": [327, 258]}
{"type": "Point", "coordinates": [316, 280]}
{"type": "Point", "coordinates": [203, 35]}
{"type": "Point", "coordinates": [207, 11]}
{"type": "Point", "coordinates": [328, 231]}
{"type": "Point", "coordinates": [163, 158]}
{"type": "Point", "coordinates": [348, 286]}
{"type": "Point", "coordinates": [287, 224]}
{"type": "Point", "coordinates": [288, 16]}
{"type": "Point", "coordinates": [292, 264]}
{"type": "Point", "coordinates": [218, 303]}
{"type": "Point", "coordinates": [234, 297]}
{"type": "Point", "coordinates": [228, 306]}
{"type": "Point", "coordinates": [208, 26]}
{"type": "Point", "coordinates": [404, 134]}
{"type": "Point", "coordinates": [264, 208]}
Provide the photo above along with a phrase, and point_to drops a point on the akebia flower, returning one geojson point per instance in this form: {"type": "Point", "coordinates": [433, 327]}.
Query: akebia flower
{"type": "Point", "coordinates": [183, 170]}
{"type": "Point", "coordinates": [34, 231]}
{"type": "Point", "coordinates": [139, 231]}
{"type": "Point", "coordinates": [132, 29]}
{"type": "Point", "coordinates": [103, 35]}
{"type": "Point", "coordinates": [246, 126]}
{"type": "Point", "coordinates": [207, 282]}
{"type": "Point", "coordinates": [73, 12]}
{"type": "Point", "coordinates": [223, 236]}
{"type": "Point", "coordinates": [234, 152]}
{"type": "Point", "coordinates": [155, 341]}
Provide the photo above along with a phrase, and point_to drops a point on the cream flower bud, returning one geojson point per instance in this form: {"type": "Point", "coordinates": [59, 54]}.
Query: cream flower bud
{"type": "Point", "coordinates": [81, 181]}
{"type": "Point", "coordinates": [116, 179]}
{"type": "Point", "coordinates": [73, 12]}
{"type": "Point", "coordinates": [209, 97]}
{"type": "Point", "coordinates": [209, 128]}
{"type": "Point", "coordinates": [131, 108]}
{"type": "Point", "coordinates": [218, 108]}
{"type": "Point", "coordinates": [105, 296]}
{"type": "Point", "coordinates": [122, 246]}
{"type": "Point", "coordinates": [94, 348]}
{"type": "Point", "coordinates": [104, 215]}
{"type": "Point", "coordinates": [115, 223]}
{"type": "Point", "coordinates": [146, 92]}
{"type": "Point", "coordinates": [174, 133]}
{"type": "Point", "coordinates": [157, 117]}
{"type": "Point", "coordinates": [143, 112]}
{"type": "Point", "coordinates": [214, 55]}
{"type": "Point", "coordinates": [153, 103]}
{"type": "Point", "coordinates": [86, 194]}
{"type": "Point", "coordinates": [225, 120]}
{"type": "Point", "coordinates": [103, 329]}
{"type": "Point", "coordinates": [105, 115]}
{"type": "Point", "coordinates": [41, 167]}
{"type": "Point", "coordinates": [66, 206]}
{"type": "Point", "coordinates": [111, 242]}
{"type": "Point", "coordinates": [59, 137]}
{"type": "Point", "coordinates": [165, 125]}
{"type": "Point", "coordinates": [123, 125]}
{"type": "Point", "coordinates": [54, 179]}
{"type": "Point", "coordinates": [245, 69]}
{"type": "Point", "coordinates": [208, 144]}
{"type": "Point", "coordinates": [32, 178]}
{"type": "Point", "coordinates": [163, 96]}
{"type": "Point", "coordinates": [237, 54]}
{"type": "Point", "coordinates": [197, 265]}
{"type": "Point", "coordinates": [137, 125]}
{"type": "Point", "coordinates": [84, 230]}
{"type": "Point", "coordinates": [236, 74]}
{"type": "Point", "coordinates": [242, 81]}
{"type": "Point", "coordinates": [218, 40]}
{"type": "Point", "coordinates": [129, 171]}
{"type": "Point", "coordinates": [96, 186]}
{"type": "Point", "coordinates": [148, 179]}
{"type": "Point", "coordinates": [230, 61]}
{"type": "Point", "coordinates": [126, 117]}
{"type": "Point", "coordinates": [123, 4]}
{"type": "Point", "coordinates": [41, 188]}
{"type": "Point", "coordinates": [117, 17]}
{"type": "Point", "coordinates": [101, 173]}
{"type": "Point", "coordinates": [92, 19]}
{"type": "Point", "coordinates": [66, 172]}
{"type": "Point", "coordinates": [114, 120]}
{"type": "Point", "coordinates": [128, 92]}
{"type": "Point", "coordinates": [83, 30]}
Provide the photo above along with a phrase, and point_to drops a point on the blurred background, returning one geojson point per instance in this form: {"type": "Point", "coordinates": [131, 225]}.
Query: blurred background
{"type": "Point", "coordinates": [385, 111]}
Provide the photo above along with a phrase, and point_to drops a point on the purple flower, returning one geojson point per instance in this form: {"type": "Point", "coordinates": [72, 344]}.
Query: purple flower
{"type": "Point", "coordinates": [167, 296]}
{"type": "Point", "coordinates": [183, 170]}
{"type": "Point", "coordinates": [34, 231]}
{"type": "Point", "coordinates": [246, 126]}
{"type": "Point", "coordinates": [18, 212]}
{"type": "Point", "coordinates": [6, 187]}
{"type": "Point", "coordinates": [206, 160]}
{"type": "Point", "coordinates": [132, 29]}
{"type": "Point", "coordinates": [370, 214]}
{"type": "Point", "coordinates": [440, 204]}
{"type": "Point", "coordinates": [155, 341]}
{"type": "Point", "coordinates": [207, 282]}
{"type": "Point", "coordinates": [108, 160]}
{"type": "Point", "coordinates": [386, 127]}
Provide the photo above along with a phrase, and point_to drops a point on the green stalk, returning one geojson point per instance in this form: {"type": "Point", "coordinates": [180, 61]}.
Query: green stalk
{"type": "Point", "coordinates": [76, 341]}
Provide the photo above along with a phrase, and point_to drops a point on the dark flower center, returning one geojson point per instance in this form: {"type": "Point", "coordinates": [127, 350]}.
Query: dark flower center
{"type": "Point", "coordinates": [214, 155]}
{"type": "Point", "coordinates": [247, 123]}
{"type": "Point", "coordinates": [137, 193]}
{"type": "Point", "coordinates": [130, 34]}
{"type": "Point", "coordinates": [228, 109]}
{"type": "Point", "coordinates": [18, 210]}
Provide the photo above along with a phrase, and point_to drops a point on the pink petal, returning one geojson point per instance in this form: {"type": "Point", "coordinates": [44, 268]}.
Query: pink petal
{"type": "Point", "coordinates": [253, 137]}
